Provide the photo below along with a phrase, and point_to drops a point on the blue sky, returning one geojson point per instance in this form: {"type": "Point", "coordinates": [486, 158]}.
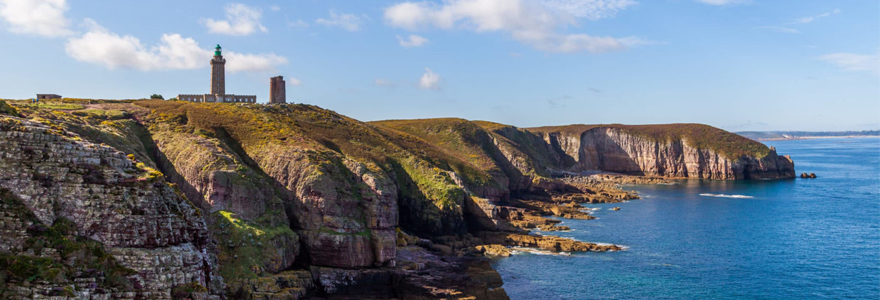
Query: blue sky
{"type": "Point", "coordinates": [738, 65]}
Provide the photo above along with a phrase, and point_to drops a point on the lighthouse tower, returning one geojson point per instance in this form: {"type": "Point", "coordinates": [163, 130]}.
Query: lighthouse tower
{"type": "Point", "coordinates": [218, 74]}
{"type": "Point", "coordinates": [218, 85]}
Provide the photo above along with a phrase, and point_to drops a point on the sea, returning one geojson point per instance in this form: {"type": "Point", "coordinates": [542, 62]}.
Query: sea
{"type": "Point", "coordinates": [699, 239]}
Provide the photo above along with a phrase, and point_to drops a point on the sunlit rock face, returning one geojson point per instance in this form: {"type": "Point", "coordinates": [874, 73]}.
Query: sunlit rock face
{"type": "Point", "coordinates": [616, 150]}
{"type": "Point", "coordinates": [141, 221]}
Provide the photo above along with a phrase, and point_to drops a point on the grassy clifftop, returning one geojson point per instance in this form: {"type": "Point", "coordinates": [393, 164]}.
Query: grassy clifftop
{"type": "Point", "coordinates": [701, 136]}
{"type": "Point", "coordinates": [503, 152]}
{"type": "Point", "coordinates": [320, 132]}
{"type": "Point", "coordinates": [456, 138]}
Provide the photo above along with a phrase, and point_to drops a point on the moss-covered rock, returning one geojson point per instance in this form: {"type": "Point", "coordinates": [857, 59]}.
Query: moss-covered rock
{"type": "Point", "coordinates": [7, 109]}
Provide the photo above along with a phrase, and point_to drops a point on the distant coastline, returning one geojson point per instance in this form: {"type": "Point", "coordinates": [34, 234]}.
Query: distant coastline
{"type": "Point", "coordinates": [802, 135]}
{"type": "Point", "coordinates": [816, 137]}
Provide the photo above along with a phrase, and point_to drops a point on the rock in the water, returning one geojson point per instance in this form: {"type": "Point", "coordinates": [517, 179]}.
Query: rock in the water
{"type": "Point", "coordinates": [494, 250]}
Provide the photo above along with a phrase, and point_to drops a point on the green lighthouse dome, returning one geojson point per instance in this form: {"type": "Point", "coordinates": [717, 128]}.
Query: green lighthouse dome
{"type": "Point", "coordinates": [217, 50]}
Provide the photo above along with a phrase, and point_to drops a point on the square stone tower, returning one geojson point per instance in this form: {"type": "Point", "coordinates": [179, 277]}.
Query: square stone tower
{"type": "Point", "coordinates": [277, 90]}
{"type": "Point", "coordinates": [218, 73]}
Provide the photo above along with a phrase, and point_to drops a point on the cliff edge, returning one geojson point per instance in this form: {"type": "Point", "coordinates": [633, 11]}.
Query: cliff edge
{"type": "Point", "coordinates": [669, 150]}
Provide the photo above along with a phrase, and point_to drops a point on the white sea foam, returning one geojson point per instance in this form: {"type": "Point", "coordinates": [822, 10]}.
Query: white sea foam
{"type": "Point", "coordinates": [726, 196]}
{"type": "Point", "coordinates": [607, 244]}
{"type": "Point", "coordinates": [520, 250]}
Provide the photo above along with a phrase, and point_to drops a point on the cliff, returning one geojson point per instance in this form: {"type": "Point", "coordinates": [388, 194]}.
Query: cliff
{"type": "Point", "coordinates": [673, 150]}
{"type": "Point", "coordinates": [84, 215]}
{"type": "Point", "coordinates": [294, 201]}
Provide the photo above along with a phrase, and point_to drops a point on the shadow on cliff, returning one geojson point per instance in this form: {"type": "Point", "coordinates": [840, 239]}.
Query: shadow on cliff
{"type": "Point", "coordinates": [418, 214]}
{"type": "Point", "coordinates": [280, 191]}
{"type": "Point", "coordinates": [167, 168]}
{"type": "Point", "coordinates": [606, 154]}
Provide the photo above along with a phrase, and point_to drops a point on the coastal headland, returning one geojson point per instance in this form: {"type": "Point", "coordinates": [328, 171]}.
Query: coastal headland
{"type": "Point", "coordinates": [153, 199]}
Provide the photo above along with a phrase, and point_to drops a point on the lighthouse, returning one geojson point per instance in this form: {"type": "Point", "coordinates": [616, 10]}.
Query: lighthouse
{"type": "Point", "coordinates": [218, 74]}
{"type": "Point", "coordinates": [218, 84]}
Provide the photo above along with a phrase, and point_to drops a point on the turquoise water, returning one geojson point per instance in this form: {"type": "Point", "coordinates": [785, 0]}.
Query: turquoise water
{"type": "Point", "coordinates": [793, 239]}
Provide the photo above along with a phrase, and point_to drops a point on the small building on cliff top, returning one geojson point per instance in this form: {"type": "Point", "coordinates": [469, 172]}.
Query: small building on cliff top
{"type": "Point", "coordinates": [48, 96]}
{"type": "Point", "coordinates": [277, 90]}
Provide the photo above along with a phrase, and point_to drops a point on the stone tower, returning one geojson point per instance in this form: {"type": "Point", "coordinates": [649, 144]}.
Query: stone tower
{"type": "Point", "coordinates": [218, 73]}
{"type": "Point", "coordinates": [277, 90]}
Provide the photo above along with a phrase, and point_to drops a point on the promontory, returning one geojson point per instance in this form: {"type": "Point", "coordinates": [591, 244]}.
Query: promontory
{"type": "Point", "coordinates": [155, 199]}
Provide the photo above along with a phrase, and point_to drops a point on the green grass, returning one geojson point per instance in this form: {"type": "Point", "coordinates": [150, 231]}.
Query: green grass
{"type": "Point", "coordinates": [98, 126]}
{"type": "Point", "coordinates": [458, 138]}
{"type": "Point", "coordinates": [326, 136]}
{"type": "Point", "coordinates": [103, 114]}
{"type": "Point", "coordinates": [77, 254]}
{"type": "Point", "coordinates": [434, 184]}
{"type": "Point", "coordinates": [186, 290]}
{"type": "Point", "coordinates": [56, 106]}
{"type": "Point", "coordinates": [7, 109]}
{"type": "Point", "coordinates": [148, 173]}
{"type": "Point", "coordinates": [244, 246]}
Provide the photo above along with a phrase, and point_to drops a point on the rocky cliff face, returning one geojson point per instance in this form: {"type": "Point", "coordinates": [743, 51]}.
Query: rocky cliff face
{"type": "Point", "coordinates": [247, 216]}
{"type": "Point", "coordinates": [342, 195]}
{"type": "Point", "coordinates": [338, 205]}
{"type": "Point", "coordinates": [80, 193]}
{"type": "Point", "coordinates": [624, 151]}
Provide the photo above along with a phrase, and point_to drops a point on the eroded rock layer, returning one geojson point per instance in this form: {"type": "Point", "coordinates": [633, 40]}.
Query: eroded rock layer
{"type": "Point", "coordinates": [80, 193]}
{"type": "Point", "coordinates": [630, 150]}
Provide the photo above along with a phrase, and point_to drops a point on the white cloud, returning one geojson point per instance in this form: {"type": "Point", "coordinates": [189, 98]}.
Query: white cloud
{"type": "Point", "coordinates": [173, 52]}
{"type": "Point", "coordinates": [590, 9]}
{"type": "Point", "coordinates": [412, 41]}
{"type": "Point", "coordinates": [527, 21]}
{"type": "Point", "coordinates": [36, 17]}
{"type": "Point", "coordinates": [298, 24]}
{"type": "Point", "coordinates": [348, 22]}
{"type": "Point", "coordinates": [780, 29]}
{"type": "Point", "coordinates": [294, 82]}
{"type": "Point", "coordinates": [240, 62]}
{"type": "Point", "coordinates": [275, 8]}
{"type": "Point", "coordinates": [382, 82]}
{"type": "Point", "coordinates": [854, 62]}
{"type": "Point", "coordinates": [240, 20]}
{"type": "Point", "coordinates": [429, 80]}
{"type": "Point", "coordinates": [723, 2]}
{"type": "Point", "coordinates": [806, 20]}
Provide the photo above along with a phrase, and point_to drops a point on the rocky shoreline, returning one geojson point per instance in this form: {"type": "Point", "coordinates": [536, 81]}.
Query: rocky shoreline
{"type": "Point", "coordinates": [294, 201]}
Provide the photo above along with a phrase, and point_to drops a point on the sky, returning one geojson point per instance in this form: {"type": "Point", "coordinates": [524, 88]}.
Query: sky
{"type": "Point", "coordinates": [734, 64]}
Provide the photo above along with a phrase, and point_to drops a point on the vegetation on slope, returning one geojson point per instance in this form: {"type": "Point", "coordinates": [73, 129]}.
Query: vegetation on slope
{"type": "Point", "coordinates": [75, 256]}
{"type": "Point", "coordinates": [459, 144]}
{"type": "Point", "coordinates": [730, 145]}
{"type": "Point", "coordinates": [6, 109]}
{"type": "Point", "coordinates": [323, 134]}
{"type": "Point", "coordinates": [246, 246]}
{"type": "Point", "coordinates": [532, 149]}
{"type": "Point", "coordinates": [101, 125]}
{"type": "Point", "coordinates": [480, 144]}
